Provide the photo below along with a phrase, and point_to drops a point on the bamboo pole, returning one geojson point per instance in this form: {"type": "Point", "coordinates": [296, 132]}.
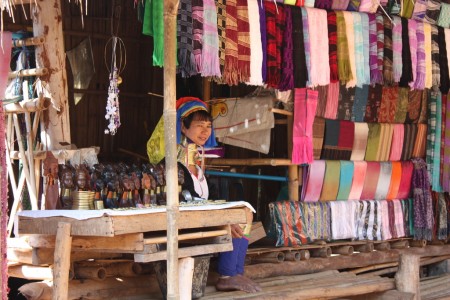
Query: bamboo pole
{"type": "Point", "coordinates": [96, 273]}
{"type": "Point", "coordinates": [304, 254]}
{"type": "Point", "coordinates": [32, 105]}
{"type": "Point", "coordinates": [293, 173]}
{"type": "Point", "coordinates": [343, 250]}
{"type": "Point", "coordinates": [321, 252]}
{"type": "Point", "coordinates": [28, 73]}
{"type": "Point", "coordinates": [170, 17]}
{"type": "Point", "coordinates": [292, 256]}
{"type": "Point", "coordinates": [251, 162]}
{"type": "Point", "coordinates": [187, 236]}
{"type": "Point", "coordinates": [32, 41]}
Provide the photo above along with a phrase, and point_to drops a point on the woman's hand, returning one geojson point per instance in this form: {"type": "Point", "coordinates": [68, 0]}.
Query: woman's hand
{"type": "Point", "coordinates": [236, 231]}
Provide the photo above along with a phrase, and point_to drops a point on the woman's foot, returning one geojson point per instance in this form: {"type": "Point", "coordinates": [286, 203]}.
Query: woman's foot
{"type": "Point", "coordinates": [237, 283]}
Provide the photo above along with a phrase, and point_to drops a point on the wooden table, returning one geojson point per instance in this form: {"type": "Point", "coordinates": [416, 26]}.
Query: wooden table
{"type": "Point", "coordinates": [138, 232]}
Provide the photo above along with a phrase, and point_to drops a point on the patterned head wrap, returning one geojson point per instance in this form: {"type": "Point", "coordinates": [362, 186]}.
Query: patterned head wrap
{"type": "Point", "coordinates": [186, 106]}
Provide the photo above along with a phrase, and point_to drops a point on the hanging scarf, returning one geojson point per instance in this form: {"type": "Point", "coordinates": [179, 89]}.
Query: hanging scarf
{"type": "Point", "coordinates": [353, 5]}
{"type": "Point", "coordinates": [243, 39]}
{"type": "Point", "coordinates": [312, 184]}
{"type": "Point", "coordinates": [332, 46]}
{"type": "Point", "coordinates": [339, 4]}
{"type": "Point", "coordinates": [423, 210]}
{"type": "Point", "coordinates": [407, 7]}
{"type": "Point", "coordinates": [323, 4]}
{"type": "Point", "coordinates": [441, 213]}
{"type": "Point", "coordinates": [373, 48]}
{"type": "Point", "coordinates": [366, 48]}
{"type": "Point", "coordinates": [428, 56]}
{"type": "Point", "coordinates": [344, 69]}
{"type": "Point", "coordinates": [419, 83]}
{"type": "Point", "coordinates": [359, 141]}
{"type": "Point", "coordinates": [350, 30]}
{"type": "Point", "coordinates": [436, 153]}
{"type": "Point", "coordinates": [414, 106]}
{"type": "Point", "coordinates": [307, 44]}
{"type": "Point", "coordinates": [409, 137]}
{"type": "Point", "coordinates": [331, 139]}
{"type": "Point", "coordinates": [432, 12]}
{"type": "Point", "coordinates": [221, 32]}
{"type": "Point", "coordinates": [407, 75]}
{"type": "Point", "coordinates": [446, 166]}
{"type": "Point", "coordinates": [402, 105]}
{"type": "Point", "coordinates": [359, 106]}
{"type": "Point", "coordinates": [322, 102]}
{"type": "Point", "coordinates": [442, 152]}
{"type": "Point", "coordinates": [435, 56]}
{"type": "Point", "coordinates": [431, 135]}
{"type": "Point", "coordinates": [443, 61]}
{"type": "Point", "coordinates": [230, 71]}
{"type": "Point", "coordinates": [262, 26]}
{"type": "Point", "coordinates": [373, 141]}
{"type": "Point", "coordinates": [385, 231]}
{"type": "Point", "coordinates": [404, 191]}
{"type": "Point", "coordinates": [397, 48]}
{"type": "Point", "coordinates": [420, 8]}
{"type": "Point", "coordinates": [359, 49]}
{"type": "Point", "coordinates": [378, 77]}
{"type": "Point", "coordinates": [318, 133]}
{"type": "Point", "coordinates": [345, 140]}
{"type": "Point", "coordinates": [332, 100]}
{"type": "Point", "coordinates": [412, 35]}
{"type": "Point", "coordinates": [373, 103]}
{"type": "Point", "coordinates": [444, 16]}
{"type": "Point", "coordinates": [421, 141]}
{"type": "Point", "coordinates": [305, 110]}
{"type": "Point", "coordinates": [386, 113]}
{"type": "Point", "coordinates": [210, 52]}
{"type": "Point", "coordinates": [186, 59]}
{"type": "Point", "coordinates": [396, 177]}
{"type": "Point", "coordinates": [287, 71]}
{"type": "Point", "coordinates": [397, 142]}
{"type": "Point", "coordinates": [388, 73]}
{"type": "Point", "coordinates": [274, 40]}
{"type": "Point", "coordinates": [154, 26]}
{"type": "Point", "coordinates": [346, 99]}
{"type": "Point", "coordinates": [300, 69]}
{"type": "Point", "coordinates": [359, 175]}
{"type": "Point", "coordinates": [256, 50]}
{"type": "Point", "coordinates": [197, 32]}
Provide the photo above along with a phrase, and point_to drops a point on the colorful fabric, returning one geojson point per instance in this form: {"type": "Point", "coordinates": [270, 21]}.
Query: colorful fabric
{"type": "Point", "coordinates": [318, 28]}
{"type": "Point", "coordinates": [318, 218]}
{"type": "Point", "coordinates": [402, 105]}
{"type": "Point", "coordinates": [262, 26]}
{"type": "Point", "coordinates": [350, 31]}
{"type": "Point", "coordinates": [384, 147]}
{"type": "Point", "coordinates": [360, 103]}
{"type": "Point", "coordinates": [431, 134]}
{"type": "Point", "coordinates": [373, 141]}
{"type": "Point", "coordinates": [360, 141]}
{"type": "Point", "coordinates": [331, 181]}
{"type": "Point", "coordinates": [322, 103]}
{"type": "Point", "coordinates": [339, 4]}
{"type": "Point", "coordinates": [345, 180]}
{"type": "Point", "coordinates": [344, 69]}
{"type": "Point", "coordinates": [346, 100]}
{"type": "Point", "coordinates": [256, 57]}
{"type": "Point", "coordinates": [420, 70]}
{"type": "Point", "coordinates": [366, 47]}
{"type": "Point", "coordinates": [307, 43]}
{"type": "Point", "coordinates": [385, 228]}
{"type": "Point", "coordinates": [432, 12]}
{"type": "Point", "coordinates": [428, 56]}
{"type": "Point", "coordinates": [396, 177]}
{"type": "Point", "coordinates": [436, 156]}
{"type": "Point", "coordinates": [404, 191]}
{"type": "Point", "coordinates": [435, 57]}
{"type": "Point", "coordinates": [397, 142]}
{"type": "Point", "coordinates": [359, 49]}
{"type": "Point", "coordinates": [300, 69]}
{"type": "Point", "coordinates": [288, 218]}
{"type": "Point", "coordinates": [323, 4]}
{"type": "Point", "coordinates": [407, 75]}
{"type": "Point", "coordinates": [312, 184]}
{"type": "Point", "coordinates": [154, 26]}
{"type": "Point", "coordinates": [185, 40]}
{"type": "Point", "coordinates": [332, 100]}
{"type": "Point", "coordinates": [230, 72]}
{"type": "Point", "coordinates": [444, 16]}
{"type": "Point", "coordinates": [446, 166]}
{"type": "Point", "coordinates": [305, 111]}
{"type": "Point", "coordinates": [384, 181]}
{"type": "Point", "coordinates": [407, 8]}
{"type": "Point", "coordinates": [389, 100]}
{"type": "Point", "coordinates": [221, 32]}
{"type": "Point", "coordinates": [331, 139]}
{"type": "Point", "coordinates": [373, 48]}
{"type": "Point", "coordinates": [287, 67]}
{"type": "Point", "coordinates": [210, 42]}
{"type": "Point", "coordinates": [359, 176]}
{"type": "Point", "coordinates": [408, 140]}
{"type": "Point", "coordinates": [420, 8]}
{"type": "Point", "coordinates": [421, 141]}
{"type": "Point", "coordinates": [414, 106]}
{"type": "Point", "coordinates": [345, 140]}
{"type": "Point", "coordinates": [332, 46]}
{"type": "Point", "coordinates": [197, 33]}
{"type": "Point", "coordinates": [423, 208]}
{"type": "Point", "coordinates": [412, 35]}
{"type": "Point", "coordinates": [378, 77]}
{"type": "Point", "coordinates": [318, 133]}
{"type": "Point", "coordinates": [243, 39]}
{"type": "Point", "coordinates": [353, 5]}
{"type": "Point", "coordinates": [397, 47]}
{"type": "Point", "coordinates": [388, 73]}
{"type": "Point", "coordinates": [373, 103]}
{"type": "Point", "coordinates": [371, 181]}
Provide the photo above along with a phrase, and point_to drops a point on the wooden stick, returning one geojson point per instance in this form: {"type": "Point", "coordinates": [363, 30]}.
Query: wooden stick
{"type": "Point", "coordinates": [96, 273]}
{"type": "Point", "coordinates": [28, 73]}
{"type": "Point", "coordinates": [186, 273]}
{"type": "Point", "coordinates": [365, 248]}
{"type": "Point", "coordinates": [321, 252]}
{"type": "Point", "coordinates": [31, 272]}
{"type": "Point", "coordinates": [304, 254]}
{"type": "Point", "coordinates": [343, 250]}
{"type": "Point", "coordinates": [30, 148]}
{"type": "Point", "coordinates": [187, 236]}
{"type": "Point", "coordinates": [382, 246]}
{"type": "Point", "coordinates": [32, 105]}
{"type": "Point", "coordinates": [271, 257]}
{"type": "Point", "coordinates": [400, 244]}
{"type": "Point", "coordinates": [418, 243]}
{"type": "Point", "coordinates": [32, 41]}
{"type": "Point", "coordinates": [281, 111]}
{"type": "Point", "coordinates": [62, 262]}
{"type": "Point", "coordinates": [374, 267]}
{"type": "Point", "coordinates": [407, 278]}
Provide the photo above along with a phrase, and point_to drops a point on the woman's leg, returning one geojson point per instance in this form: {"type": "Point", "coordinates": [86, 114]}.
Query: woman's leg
{"type": "Point", "coordinates": [229, 260]}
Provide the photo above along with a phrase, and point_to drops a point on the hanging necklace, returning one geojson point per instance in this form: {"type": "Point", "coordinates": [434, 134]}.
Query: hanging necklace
{"type": "Point", "coordinates": [117, 65]}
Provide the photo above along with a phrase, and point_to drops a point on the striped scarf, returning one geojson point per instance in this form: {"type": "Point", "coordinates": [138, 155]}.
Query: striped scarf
{"type": "Point", "coordinates": [446, 146]}
{"type": "Point", "coordinates": [186, 59]}
{"type": "Point", "coordinates": [359, 49]}
{"type": "Point", "coordinates": [378, 78]}
{"type": "Point", "coordinates": [230, 72]}
{"type": "Point", "coordinates": [397, 48]}
{"type": "Point", "coordinates": [419, 83]}
{"type": "Point", "coordinates": [243, 38]}
{"type": "Point", "coordinates": [420, 7]}
{"type": "Point", "coordinates": [443, 61]}
{"type": "Point", "coordinates": [344, 70]}
{"type": "Point", "coordinates": [366, 47]}
{"type": "Point", "coordinates": [262, 24]}
{"type": "Point", "coordinates": [431, 134]}
{"type": "Point", "coordinates": [428, 59]}
{"type": "Point", "coordinates": [287, 70]}
{"type": "Point", "coordinates": [388, 73]}
{"type": "Point", "coordinates": [407, 76]}
{"type": "Point", "coordinates": [221, 31]}
{"type": "Point", "coordinates": [435, 70]}
{"type": "Point", "coordinates": [332, 46]}
{"type": "Point", "coordinates": [197, 31]}
{"type": "Point", "coordinates": [307, 44]}
{"type": "Point", "coordinates": [412, 35]}
{"type": "Point", "coordinates": [274, 40]}
{"type": "Point", "coordinates": [373, 48]}
{"type": "Point", "coordinates": [432, 12]}
{"type": "Point", "coordinates": [300, 70]}
{"type": "Point", "coordinates": [320, 67]}
{"type": "Point", "coordinates": [210, 42]}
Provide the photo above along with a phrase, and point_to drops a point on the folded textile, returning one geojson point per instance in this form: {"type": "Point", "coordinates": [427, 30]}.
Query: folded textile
{"type": "Point", "coordinates": [318, 133]}
{"type": "Point", "coordinates": [384, 147]}
{"type": "Point", "coordinates": [330, 143]}
{"type": "Point", "coordinates": [404, 191]}
{"type": "Point", "coordinates": [318, 220]}
{"type": "Point", "coordinates": [367, 221]}
{"type": "Point", "coordinates": [371, 181]}
{"type": "Point", "coordinates": [414, 106]}
{"type": "Point", "coordinates": [391, 216]}
{"type": "Point", "coordinates": [345, 180]}
{"type": "Point", "coordinates": [312, 184]}
{"type": "Point", "coordinates": [359, 176]}
{"type": "Point", "coordinates": [421, 141]}
{"type": "Point", "coordinates": [397, 142]}
{"type": "Point", "coordinates": [444, 15]}
{"type": "Point", "coordinates": [384, 181]}
{"type": "Point", "coordinates": [360, 103]}
{"type": "Point", "coordinates": [399, 219]}
{"type": "Point", "coordinates": [332, 100]}
{"type": "Point", "coordinates": [360, 141]}
{"type": "Point", "coordinates": [389, 101]}
{"type": "Point", "coordinates": [373, 103]}
{"type": "Point", "coordinates": [423, 208]}
{"type": "Point", "coordinates": [408, 216]}
{"type": "Point", "coordinates": [331, 181]}
{"type": "Point", "coordinates": [373, 141]}
{"type": "Point", "coordinates": [409, 137]}
{"type": "Point", "coordinates": [385, 230]}
{"type": "Point", "coordinates": [345, 104]}
{"type": "Point", "coordinates": [343, 219]}
{"type": "Point", "coordinates": [396, 177]}
{"type": "Point", "coordinates": [402, 105]}
{"type": "Point", "coordinates": [322, 100]}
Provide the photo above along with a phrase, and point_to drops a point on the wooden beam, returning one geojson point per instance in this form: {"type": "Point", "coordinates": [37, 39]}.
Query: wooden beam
{"type": "Point", "coordinates": [27, 106]}
{"type": "Point", "coordinates": [31, 272]}
{"type": "Point", "coordinates": [407, 278]}
{"type": "Point", "coordinates": [250, 162]}
{"type": "Point", "coordinates": [28, 73]}
{"type": "Point", "coordinates": [62, 262]}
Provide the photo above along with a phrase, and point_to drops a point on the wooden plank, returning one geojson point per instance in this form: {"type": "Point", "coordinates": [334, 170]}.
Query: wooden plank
{"type": "Point", "coordinates": [184, 252]}
{"type": "Point", "coordinates": [127, 243]}
{"type": "Point", "coordinates": [388, 295]}
{"type": "Point", "coordinates": [62, 262]}
{"type": "Point", "coordinates": [186, 274]}
{"type": "Point", "coordinates": [257, 232]}
{"type": "Point", "coordinates": [31, 272]}
{"type": "Point", "coordinates": [187, 236]}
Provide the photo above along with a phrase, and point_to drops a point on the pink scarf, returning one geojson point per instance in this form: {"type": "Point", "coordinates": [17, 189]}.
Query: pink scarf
{"type": "Point", "coordinates": [305, 104]}
{"type": "Point", "coordinates": [397, 142]}
{"type": "Point", "coordinates": [210, 52]}
{"type": "Point", "coordinates": [314, 181]}
{"type": "Point", "coordinates": [359, 175]}
{"type": "Point", "coordinates": [5, 59]}
{"type": "Point", "coordinates": [412, 27]}
{"type": "Point", "coordinates": [332, 101]}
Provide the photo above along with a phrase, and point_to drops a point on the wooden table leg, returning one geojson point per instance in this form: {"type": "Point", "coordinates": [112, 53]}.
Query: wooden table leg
{"type": "Point", "coordinates": [185, 273]}
{"type": "Point", "coordinates": [61, 266]}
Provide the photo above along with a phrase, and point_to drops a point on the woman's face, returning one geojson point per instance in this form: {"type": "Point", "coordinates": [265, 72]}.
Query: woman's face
{"type": "Point", "coordinates": [198, 132]}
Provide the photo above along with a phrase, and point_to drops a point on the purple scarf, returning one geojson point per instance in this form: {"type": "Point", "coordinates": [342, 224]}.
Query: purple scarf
{"type": "Point", "coordinates": [378, 77]}
{"type": "Point", "coordinates": [262, 24]}
{"type": "Point", "coordinates": [423, 208]}
{"type": "Point", "coordinates": [287, 67]}
{"type": "Point", "coordinates": [373, 47]}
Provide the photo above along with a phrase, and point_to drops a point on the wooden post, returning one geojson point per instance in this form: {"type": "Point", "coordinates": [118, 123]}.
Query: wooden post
{"type": "Point", "coordinates": [170, 17]}
{"type": "Point", "coordinates": [407, 278]}
{"type": "Point", "coordinates": [186, 271]}
{"type": "Point", "coordinates": [293, 173]}
{"type": "Point", "coordinates": [61, 268]}
{"type": "Point", "coordinates": [47, 23]}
